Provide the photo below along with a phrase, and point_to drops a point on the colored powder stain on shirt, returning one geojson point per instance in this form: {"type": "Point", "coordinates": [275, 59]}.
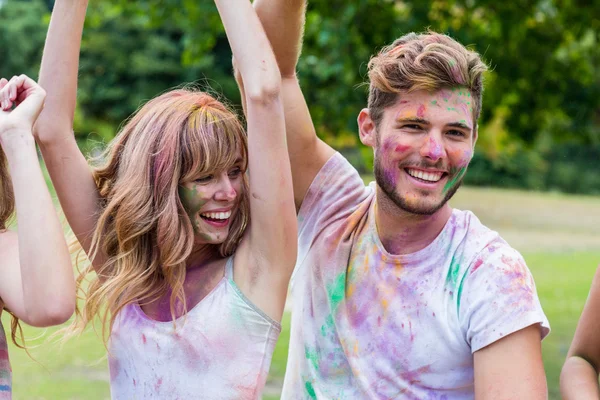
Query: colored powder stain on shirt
{"type": "Point", "coordinates": [337, 290]}
{"type": "Point", "coordinates": [313, 357]}
{"type": "Point", "coordinates": [310, 390]}
{"type": "Point", "coordinates": [4, 388]}
{"type": "Point", "coordinates": [328, 325]}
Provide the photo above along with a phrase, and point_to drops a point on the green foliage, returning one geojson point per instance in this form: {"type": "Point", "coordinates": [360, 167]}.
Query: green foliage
{"type": "Point", "coordinates": [22, 34]}
{"type": "Point", "coordinates": [542, 92]}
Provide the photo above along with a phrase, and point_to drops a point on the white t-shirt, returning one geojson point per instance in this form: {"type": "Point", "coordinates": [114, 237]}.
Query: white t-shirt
{"type": "Point", "coordinates": [221, 350]}
{"type": "Point", "coordinates": [367, 324]}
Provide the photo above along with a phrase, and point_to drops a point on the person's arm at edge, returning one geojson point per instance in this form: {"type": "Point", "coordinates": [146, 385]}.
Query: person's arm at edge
{"type": "Point", "coordinates": [283, 21]}
{"type": "Point", "coordinates": [53, 131]}
{"type": "Point", "coordinates": [37, 276]}
{"type": "Point", "coordinates": [511, 368]}
{"type": "Point", "coordinates": [579, 375]}
{"type": "Point", "coordinates": [273, 228]}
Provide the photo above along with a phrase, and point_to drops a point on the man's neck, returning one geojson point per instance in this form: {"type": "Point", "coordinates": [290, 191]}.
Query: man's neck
{"type": "Point", "coordinates": [402, 232]}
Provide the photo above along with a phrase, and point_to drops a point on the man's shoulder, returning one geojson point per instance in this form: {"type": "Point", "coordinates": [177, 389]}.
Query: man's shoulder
{"type": "Point", "coordinates": [480, 243]}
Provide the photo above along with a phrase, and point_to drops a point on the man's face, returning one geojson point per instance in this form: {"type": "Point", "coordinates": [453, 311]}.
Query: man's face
{"type": "Point", "coordinates": [422, 147]}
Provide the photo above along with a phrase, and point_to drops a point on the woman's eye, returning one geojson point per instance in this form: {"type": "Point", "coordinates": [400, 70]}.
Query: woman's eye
{"type": "Point", "coordinates": [235, 172]}
{"type": "Point", "coordinates": [204, 179]}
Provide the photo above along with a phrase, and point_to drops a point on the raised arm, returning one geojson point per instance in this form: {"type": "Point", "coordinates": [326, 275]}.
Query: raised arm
{"type": "Point", "coordinates": [271, 242]}
{"type": "Point", "coordinates": [66, 164]}
{"type": "Point", "coordinates": [37, 282]}
{"type": "Point", "coordinates": [579, 376]}
{"type": "Point", "coordinates": [283, 21]}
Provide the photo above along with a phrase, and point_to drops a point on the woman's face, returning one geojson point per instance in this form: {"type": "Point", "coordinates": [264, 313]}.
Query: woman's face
{"type": "Point", "coordinates": [211, 201]}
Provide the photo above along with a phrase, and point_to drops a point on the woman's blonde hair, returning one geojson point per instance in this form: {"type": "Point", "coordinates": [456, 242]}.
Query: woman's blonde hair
{"type": "Point", "coordinates": [143, 228]}
{"type": "Point", "coordinates": [7, 209]}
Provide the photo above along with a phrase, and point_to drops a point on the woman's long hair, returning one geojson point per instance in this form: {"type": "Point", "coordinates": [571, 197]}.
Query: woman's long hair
{"type": "Point", "coordinates": [143, 228]}
{"type": "Point", "coordinates": [7, 209]}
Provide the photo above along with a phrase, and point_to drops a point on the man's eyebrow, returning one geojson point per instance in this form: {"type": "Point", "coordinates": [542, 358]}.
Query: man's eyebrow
{"type": "Point", "coordinates": [460, 125]}
{"type": "Point", "coordinates": [413, 120]}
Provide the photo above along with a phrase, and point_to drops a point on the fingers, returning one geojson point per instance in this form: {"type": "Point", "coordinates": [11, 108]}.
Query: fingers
{"type": "Point", "coordinates": [16, 90]}
{"type": "Point", "coordinates": [4, 94]}
{"type": "Point", "coordinates": [6, 97]}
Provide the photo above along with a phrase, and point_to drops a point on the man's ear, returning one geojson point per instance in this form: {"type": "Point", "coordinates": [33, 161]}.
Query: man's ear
{"type": "Point", "coordinates": [366, 128]}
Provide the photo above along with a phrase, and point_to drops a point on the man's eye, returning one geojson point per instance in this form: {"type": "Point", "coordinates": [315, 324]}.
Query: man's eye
{"type": "Point", "coordinates": [412, 126]}
{"type": "Point", "coordinates": [454, 132]}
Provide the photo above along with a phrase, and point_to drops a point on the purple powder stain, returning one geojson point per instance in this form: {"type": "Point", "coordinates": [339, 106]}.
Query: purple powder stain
{"type": "Point", "coordinates": [478, 263]}
{"type": "Point", "coordinates": [413, 377]}
{"type": "Point", "coordinates": [390, 175]}
{"type": "Point", "coordinates": [114, 367]}
{"type": "Point", "coordinates": [446, 94]}
{"type": "Point", "coordinates": [435, 149]}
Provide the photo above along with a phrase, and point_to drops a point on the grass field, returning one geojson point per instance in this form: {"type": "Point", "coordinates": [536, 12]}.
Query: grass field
{"type": "Point", "coordinates": [558, 235]}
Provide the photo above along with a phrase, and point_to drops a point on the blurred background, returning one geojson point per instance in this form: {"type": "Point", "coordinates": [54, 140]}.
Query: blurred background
{"type": "Point", "coordinates": [535, 176]}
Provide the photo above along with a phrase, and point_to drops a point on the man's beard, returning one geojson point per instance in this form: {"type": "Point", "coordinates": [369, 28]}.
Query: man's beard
{"type": "Point", "coordinates": [389, 188]}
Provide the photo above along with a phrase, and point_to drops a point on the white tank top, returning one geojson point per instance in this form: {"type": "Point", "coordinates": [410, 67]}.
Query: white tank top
{"type": "Point", "coordinates": [221, 351]}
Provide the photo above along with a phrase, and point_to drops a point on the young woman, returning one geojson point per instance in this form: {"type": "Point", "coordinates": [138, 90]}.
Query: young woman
{"type": "Point", "coordinates": [36, 275]}
{"type": "Point", "coordinates": [195, 290]}
{"type": "Point", "coordinates": [579, 376]}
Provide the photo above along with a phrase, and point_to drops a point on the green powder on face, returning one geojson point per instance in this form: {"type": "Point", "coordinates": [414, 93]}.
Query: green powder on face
{"type": "Point", "coordinates": [434, 102]}
{"type": "Point", "coordinates": [453, 181]}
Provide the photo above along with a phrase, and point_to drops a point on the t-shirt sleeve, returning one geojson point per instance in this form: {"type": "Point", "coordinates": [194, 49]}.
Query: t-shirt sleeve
{"type": "Point", "coordinates": [334, 193]}
{"type": "Point", "coordinates": [499, 297]}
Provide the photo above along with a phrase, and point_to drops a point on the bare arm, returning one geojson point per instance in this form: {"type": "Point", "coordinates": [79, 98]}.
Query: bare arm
{"type": "Point", "coordinates": [511, 368]}
{"type": "Point", "coordinates": [66, 164]}
{"type": "Point", "coordinates": [283, 21]}
{"type": "Point", "coordinates": [579, 376]}
{"type": "Point", "coordinates": [37, 282]}
{"type": "Point", "coordinates": [271, 244]}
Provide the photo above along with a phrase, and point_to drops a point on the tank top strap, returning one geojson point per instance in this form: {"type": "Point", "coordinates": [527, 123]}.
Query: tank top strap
{"type": "Point", "coordinates": [229, 268]}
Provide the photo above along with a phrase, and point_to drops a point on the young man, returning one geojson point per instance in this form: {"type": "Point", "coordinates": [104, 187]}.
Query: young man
{"type": "Point", "coordinates": [396, 294]}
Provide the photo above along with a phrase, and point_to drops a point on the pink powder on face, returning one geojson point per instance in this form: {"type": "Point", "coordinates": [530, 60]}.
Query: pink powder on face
{"type": "Point", "coordinates": [421, 111]}
{"type": "Point", "coordinates": [435, 149]}
{"type": "Point", "coordinates": [445, 94]}
{"type": "Point", "coordinates": [401, 148]}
